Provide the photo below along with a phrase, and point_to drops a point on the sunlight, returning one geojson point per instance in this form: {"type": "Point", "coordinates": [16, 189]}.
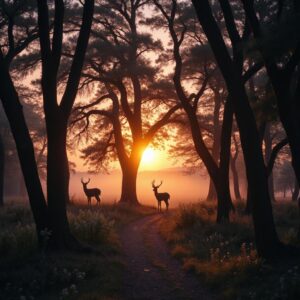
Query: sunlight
{"type": "Point", "coordinates": [148, 156]}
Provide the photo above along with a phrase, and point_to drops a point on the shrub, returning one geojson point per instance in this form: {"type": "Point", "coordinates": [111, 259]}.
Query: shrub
{"type": "Point", "coordinates": [91, 226]}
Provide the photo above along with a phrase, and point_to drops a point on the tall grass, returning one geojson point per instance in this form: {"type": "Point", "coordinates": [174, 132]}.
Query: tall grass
{"type": "Point", "coordinates": [26, 273]}
{"type": "Point", "coordinates": [224, 255]}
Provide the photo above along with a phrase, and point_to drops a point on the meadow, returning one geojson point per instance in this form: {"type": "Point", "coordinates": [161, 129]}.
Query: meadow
{"type": "Point", "coordinates": [223, 256]}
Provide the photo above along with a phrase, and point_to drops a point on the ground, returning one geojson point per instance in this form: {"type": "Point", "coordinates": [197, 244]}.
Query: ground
{"type": "Point", "coordinates": [151, 272]}
{"type": "Point", "coordinates": [143, 254]}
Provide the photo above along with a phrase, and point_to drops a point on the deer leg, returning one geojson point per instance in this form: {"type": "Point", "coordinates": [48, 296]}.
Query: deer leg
{"type": "Point", "coordinates": [89, 201]}
{"type": "Point", "coordinates": [98, 199]}
{"type": "Point", "coordinates": [167, 205]}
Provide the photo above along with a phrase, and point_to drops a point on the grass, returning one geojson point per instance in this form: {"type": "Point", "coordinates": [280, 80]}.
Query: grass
{"type": "Point", "coordinates": [26, 273]}
{"type": "Point", "coordinates": [224, 255]}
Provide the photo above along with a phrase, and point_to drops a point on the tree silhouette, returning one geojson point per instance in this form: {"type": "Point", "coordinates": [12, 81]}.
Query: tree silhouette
{"type": "Point", "coordinates": [57, 112]}
{"type": "Point", "coordinates": [265, 233]}
{"type": "Point", "coordinates": [131, 103]}
{"type": "Point", "coordinates": [281, 64]}
{"type": "Point", "coordinates": [19, 17]}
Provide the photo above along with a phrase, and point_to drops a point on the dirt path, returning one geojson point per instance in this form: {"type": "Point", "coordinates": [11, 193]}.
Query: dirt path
{"type": "Point", "coordinates": [152, 274]}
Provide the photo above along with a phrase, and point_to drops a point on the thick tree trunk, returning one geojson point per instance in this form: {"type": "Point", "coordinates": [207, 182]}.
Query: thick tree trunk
{"type": "Point", "coordinates": [129, 177]}
{"type": "Point", "coordinates": [57, 184]}
{"type": "Point", "coordinates": [225, 204]}
{"type": "Point", "coordinates": [2, 163]}
{"type": "Point", "coordinates": [14, 112]}
{"type": "Point", "coordinates": [224, 200]}
{"type": "Point", "coordinates": [265, 233]}
{"type": "Point", "coordinates": [212, 194]}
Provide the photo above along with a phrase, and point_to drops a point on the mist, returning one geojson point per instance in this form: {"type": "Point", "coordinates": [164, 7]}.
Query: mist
{"type": "Point", "coordinates": [182, 187]}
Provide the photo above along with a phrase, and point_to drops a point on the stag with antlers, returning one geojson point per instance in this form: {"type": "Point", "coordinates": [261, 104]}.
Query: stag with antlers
{"type": "Point", "coordinates": [90, 193]}
{"type": "Point", "coordinates": [160, 196]}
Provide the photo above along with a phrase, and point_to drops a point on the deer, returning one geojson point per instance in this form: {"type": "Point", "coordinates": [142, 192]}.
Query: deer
{"type": "Point", "coordinates": [160, 196]}
{"type": "Point", "coordinates": [90, 193]}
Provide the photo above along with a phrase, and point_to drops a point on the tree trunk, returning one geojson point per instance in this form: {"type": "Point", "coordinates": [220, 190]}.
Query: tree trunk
{"type": "Point", "coordinates": [224, 202]}
{"type": "Point", "coordinates": [268, 152]}
{"type": "Point", "coordinates": [2, 163]}
{"type": "Point", "coordinates": [129, 177]}
{"type": "Point", "coordinates": [57, 184]}
{"type": "Point", "coordinates": [223, 189]}
{"type": "Point", "coordinates": [212, 194]}
{"type": "Point", "coordinates": [235, 177]}
{"type": "Point", "coordinates": [14, 112]}
{"type": "Point", "coordinates": [265, 233]}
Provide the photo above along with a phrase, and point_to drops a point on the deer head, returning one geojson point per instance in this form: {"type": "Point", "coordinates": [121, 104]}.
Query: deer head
{"type": "Point", "coordinates": [155, 187]}
{"type": "Point", "coordinates": [85, 183]}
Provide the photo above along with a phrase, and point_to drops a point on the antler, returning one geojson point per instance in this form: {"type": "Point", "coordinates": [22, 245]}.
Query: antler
{"type": "Point", "coordinates": [85, 182]}
{"type": "Point", "coordinates": [157, 186]}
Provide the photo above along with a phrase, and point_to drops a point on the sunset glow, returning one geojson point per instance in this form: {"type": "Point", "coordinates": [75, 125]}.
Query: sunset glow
{"type": "Point", "coordinates": [148, 156]}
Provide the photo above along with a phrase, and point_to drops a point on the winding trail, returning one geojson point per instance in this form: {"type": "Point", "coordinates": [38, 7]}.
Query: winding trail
{"type": "Point", "coordinates": [152, 273]}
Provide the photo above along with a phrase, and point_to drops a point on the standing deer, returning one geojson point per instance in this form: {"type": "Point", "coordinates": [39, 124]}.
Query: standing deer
{"type": "Point", "coordinates": [91, 192]}
{"type": "Point", "coordinates": [160, 196]}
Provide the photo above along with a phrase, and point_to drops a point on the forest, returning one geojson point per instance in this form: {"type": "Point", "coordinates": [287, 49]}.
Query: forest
{"type": "Point", "coordinates": [149, 149]}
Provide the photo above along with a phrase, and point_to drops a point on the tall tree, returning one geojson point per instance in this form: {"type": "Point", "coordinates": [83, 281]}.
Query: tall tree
{"type": "Point", "coordinates": [128, 92]}
{"type": "Point", "coordinates": [2, 161]}
{"type": "Point", "coordinates": [283, 65]}
{"type": "Point", "coordinates": [218, 169]}
{"type": "Point", "coordinates": [57, 112]}
{"type": "Point", "coordinates": [265, 233]}
{"type": "Point", "coordinates": [19, 17]}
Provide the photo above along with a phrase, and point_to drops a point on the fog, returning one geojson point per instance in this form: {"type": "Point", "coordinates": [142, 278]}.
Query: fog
{"type": "Point", "coordinates": [181, 186]}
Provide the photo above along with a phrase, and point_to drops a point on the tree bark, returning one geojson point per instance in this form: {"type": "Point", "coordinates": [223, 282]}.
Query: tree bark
{"type": "Point", "coordinates": [57, 184]}
{"type": "Point", "coordinates": [212, 195]}
{"type": "Point", "coordinates": [268, 153]}
{"type": "Point", "coordinates": [2, 164]}
{"type": "Point", "coordinates": [57, 113]}
{"type": "Point", "coordinates": [265, 233]}
{"type": "Point", "coordinates": [128, 192]}
{"type": "Point", "coordinates": [14, 112]}
{"type": "Point", "coordinates": [223, 186]}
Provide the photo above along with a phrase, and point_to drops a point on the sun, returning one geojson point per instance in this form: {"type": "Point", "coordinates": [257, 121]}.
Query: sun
{"type": "Point", "coordinates": [148, 156]}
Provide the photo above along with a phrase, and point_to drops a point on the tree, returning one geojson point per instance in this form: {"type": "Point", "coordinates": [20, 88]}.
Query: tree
{"type": "Point", "coordinates": [18, 17]}
{"type": "Point", "coordinates": [265, 233]}
{"type": "Point", "coordinates": [57, 112]}
{"type": "Point", "coordinates": [233, 162]}
{"type": "Point", "coordinates": [129, 91]}
{"type": "Point", "coordinates": [2, 162]}
{"type": "Point", "coordinates": [283, 65]}
{"type": "Point", "coordinates": [218, 169]}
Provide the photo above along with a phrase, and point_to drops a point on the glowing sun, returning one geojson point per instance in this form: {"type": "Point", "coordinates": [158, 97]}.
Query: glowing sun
{"type": "Point", "coordinates": [148, 156]}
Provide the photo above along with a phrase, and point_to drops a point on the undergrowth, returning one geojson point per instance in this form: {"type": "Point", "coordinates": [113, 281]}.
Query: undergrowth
{"type": "Point", "coordinates": [26, 273]}
{"type": "Point", "coordinates": [224, 255]}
